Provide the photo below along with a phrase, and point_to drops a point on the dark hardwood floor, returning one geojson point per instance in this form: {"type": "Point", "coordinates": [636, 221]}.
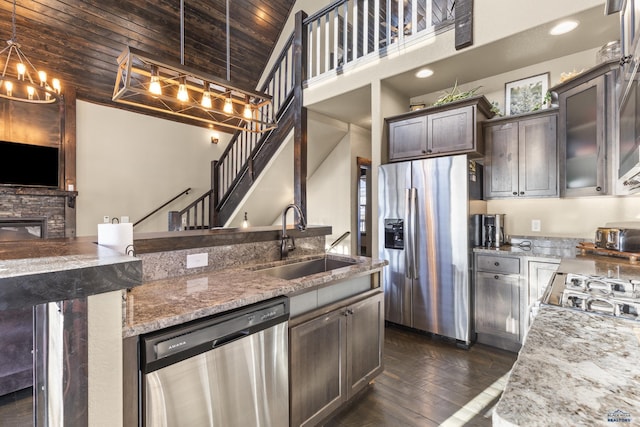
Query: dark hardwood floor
{"type": "Point", "coordinates": [16, 409]}
{"type": "Point", "coordinates": [428, 381]}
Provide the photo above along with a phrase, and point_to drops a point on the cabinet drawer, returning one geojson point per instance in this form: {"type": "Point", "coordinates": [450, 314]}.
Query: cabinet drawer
{"type": "Point", "coordinates": [498, 264]}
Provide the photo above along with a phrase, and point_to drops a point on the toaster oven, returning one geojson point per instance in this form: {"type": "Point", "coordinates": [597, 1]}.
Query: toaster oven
{"type": "Point", "coordinates": [618, 239]}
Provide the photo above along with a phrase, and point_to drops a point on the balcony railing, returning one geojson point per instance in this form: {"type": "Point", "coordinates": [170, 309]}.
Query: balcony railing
{"type": "Point", "coordinates": [348, 30]}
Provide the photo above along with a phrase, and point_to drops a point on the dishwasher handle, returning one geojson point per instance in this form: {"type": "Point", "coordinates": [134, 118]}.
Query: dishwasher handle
{"type": "Point", "coordinates": [232, 337]}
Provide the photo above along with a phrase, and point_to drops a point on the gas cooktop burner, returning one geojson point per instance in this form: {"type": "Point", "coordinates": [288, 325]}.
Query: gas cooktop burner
{"type": "Point", "coordinates": [603, 286]}
{"type": "Point", "coordinates": [596, 294]}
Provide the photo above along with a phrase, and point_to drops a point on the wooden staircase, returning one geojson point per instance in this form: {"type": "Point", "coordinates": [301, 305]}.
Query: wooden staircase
{"type": "Point", "coordinates": [325, 44]}
{"type": "Point", "coordinates": [248, 153]}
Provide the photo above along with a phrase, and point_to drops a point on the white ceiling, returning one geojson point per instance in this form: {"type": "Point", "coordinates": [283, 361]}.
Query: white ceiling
{"type": "Point", "coordinates": [521, 50]}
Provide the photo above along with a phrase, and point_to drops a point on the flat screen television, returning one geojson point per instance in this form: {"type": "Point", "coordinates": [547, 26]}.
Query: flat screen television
{"type": "Point", "coordinates": [27, 164]}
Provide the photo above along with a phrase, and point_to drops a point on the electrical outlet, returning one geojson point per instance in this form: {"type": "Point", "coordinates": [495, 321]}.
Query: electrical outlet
{"type": "Point", "coordinates": [184, 221]}
{"type": "Point", "coordinates": [535, 225]}
{"type": "Point", "coordinates": [105, 219]}
{"type": "Point", "coordinates": [124, 219]}
{"type": "Point", "coordinates": [197, 260]}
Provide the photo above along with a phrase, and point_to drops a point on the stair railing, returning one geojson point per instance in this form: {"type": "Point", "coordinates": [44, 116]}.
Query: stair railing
{"type": "Point", "coordinates": [195, 216]}
{"type": "Point", "coordinates": [235, 161]}
{"type": "Point", "coordinates": [159, 208]}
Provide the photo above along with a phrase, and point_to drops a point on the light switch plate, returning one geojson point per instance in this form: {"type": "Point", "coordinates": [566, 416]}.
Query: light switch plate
{"type": "Point", "coordinates": [197, 260]}
{"type": "Point", "coordinates": [535, 225]}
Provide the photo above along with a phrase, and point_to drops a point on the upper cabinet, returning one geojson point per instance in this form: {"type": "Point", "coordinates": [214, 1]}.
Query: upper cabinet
{"type": "Point", "coordinates": [452, 128]}
{"type": "Point", "coordinates": [628, 159]}
{"type": "Point", "coordinates": [521, 156]}
{"type": "Point", "coordinates": [587, 126]}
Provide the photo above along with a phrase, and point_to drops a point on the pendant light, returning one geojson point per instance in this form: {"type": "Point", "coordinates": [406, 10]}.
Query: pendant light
{"type": "Point", "coordinates": [149, 82]}
{"type": "Point", "coordinates": [21, 85]}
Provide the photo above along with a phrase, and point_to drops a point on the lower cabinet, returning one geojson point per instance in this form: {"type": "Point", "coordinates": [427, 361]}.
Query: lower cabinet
{"type": "Point", "coordinates": [498, 308]}
{"type": "Point", "coordinates": [540, 273]}
{"type": "Point", "coordinates": [333, 356]}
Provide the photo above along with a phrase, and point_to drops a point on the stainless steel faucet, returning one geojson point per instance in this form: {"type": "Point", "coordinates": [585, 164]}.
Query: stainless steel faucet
{"type": "Point", "coordinates": [288, 243]}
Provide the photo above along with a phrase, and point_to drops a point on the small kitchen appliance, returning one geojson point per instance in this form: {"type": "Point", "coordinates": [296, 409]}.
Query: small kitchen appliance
{"type": "Point", "coordinates": [493, 230]}
{"type": "Point", "coordinates": [620, 239]}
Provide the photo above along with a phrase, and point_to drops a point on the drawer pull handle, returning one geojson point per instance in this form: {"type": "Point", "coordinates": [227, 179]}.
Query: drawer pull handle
{"type": "Point", "coordinates": [496, 263]}
{"type": "Point", "coordinates": [496, 277]}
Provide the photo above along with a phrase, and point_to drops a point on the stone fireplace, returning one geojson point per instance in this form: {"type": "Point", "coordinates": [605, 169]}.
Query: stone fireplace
{"type": "Point", "coordinates": [33, 212]}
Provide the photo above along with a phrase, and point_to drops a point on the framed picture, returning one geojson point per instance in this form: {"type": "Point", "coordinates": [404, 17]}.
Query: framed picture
{"type": "Point", "coordinates": [522, 96]}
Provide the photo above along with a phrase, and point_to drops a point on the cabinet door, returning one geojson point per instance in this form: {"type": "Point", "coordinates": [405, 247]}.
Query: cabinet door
{"type": "Point", "coordinates": [365, 331]}
{"type": "Point", "coordinates": [501, 160]}
{"type": "Point", "coordinates": [540, 274]}
{"type": "Point", "coordinates": [451, 131]}
{"type": "Point", "coordinates": [497, 305]}
{"type": "Point", "coordinates": [537, 157]}
{"type": "Point", "coordinates": [317, 349]}
{"type": "Point", "coordinates": [408, 138]}
{"type": "Point", "coordinates": [582, 139]}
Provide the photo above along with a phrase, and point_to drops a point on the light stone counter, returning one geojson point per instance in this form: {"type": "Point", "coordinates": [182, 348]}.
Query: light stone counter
{"type": "Point", "coordinates": [172, 301]}
{"type": "Point", "coordinates": [575, 369]}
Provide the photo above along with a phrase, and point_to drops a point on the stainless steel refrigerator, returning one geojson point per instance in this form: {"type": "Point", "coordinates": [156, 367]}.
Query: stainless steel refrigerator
{"type": "Point", "coordinates": [424, 217]}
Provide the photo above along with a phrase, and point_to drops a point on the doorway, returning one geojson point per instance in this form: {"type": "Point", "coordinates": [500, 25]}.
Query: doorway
{"type": "Point", "coordinates": [363, 207]}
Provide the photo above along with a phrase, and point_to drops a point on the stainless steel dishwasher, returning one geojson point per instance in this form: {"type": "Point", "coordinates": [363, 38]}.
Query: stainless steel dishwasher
{"type": "Point", "coordinates": [227, 370]}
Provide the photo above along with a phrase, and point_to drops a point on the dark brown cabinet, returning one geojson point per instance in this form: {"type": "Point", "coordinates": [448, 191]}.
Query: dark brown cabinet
{"type": "Point", "coordinates": [435, 131]}
{"type": "Point", "coordinates": [587, 121]}
{"type": "Point", "coordinates": [408, 138]}
{"type": "Point", "coordinates": [521, 156]}
{"type": "Point", "coordinates": [333, 356]}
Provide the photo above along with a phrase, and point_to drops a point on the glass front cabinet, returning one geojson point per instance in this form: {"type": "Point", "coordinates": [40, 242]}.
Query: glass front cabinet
{"type": "Point", "coordinates": [586, 131]}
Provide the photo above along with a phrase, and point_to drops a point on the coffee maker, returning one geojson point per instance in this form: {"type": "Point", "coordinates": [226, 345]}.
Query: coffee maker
{"type": "Point", "coordinates": [493, 230]}
{"type": "Point", "coordinates": [487, 230]}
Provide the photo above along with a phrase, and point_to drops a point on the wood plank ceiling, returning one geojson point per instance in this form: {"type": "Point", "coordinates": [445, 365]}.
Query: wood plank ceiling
{"type": "Point", "coordinates": [79, 40]}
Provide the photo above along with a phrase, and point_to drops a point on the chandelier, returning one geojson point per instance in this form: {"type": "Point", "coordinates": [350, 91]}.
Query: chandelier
{"type": "Point", "coordinates": [147, 81]}
{"type": "Point", "coordinates": [24, 86]}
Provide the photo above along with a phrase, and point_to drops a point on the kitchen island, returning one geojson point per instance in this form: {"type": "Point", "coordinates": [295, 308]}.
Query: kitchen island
{"type": "Point", "coordinates": [575, 368]}
{"type": "Point", "coordinates": [69, 284]}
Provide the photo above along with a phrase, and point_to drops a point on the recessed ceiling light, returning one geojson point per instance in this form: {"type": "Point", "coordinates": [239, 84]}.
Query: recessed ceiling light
{"type": "Point", "coordinates": [563, 27]}
{"type": "Point", "coordinates": [424, 73]}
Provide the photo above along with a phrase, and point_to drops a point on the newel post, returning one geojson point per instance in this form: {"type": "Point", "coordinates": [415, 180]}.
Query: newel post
{"type": "Point", "coordinates": [300, 114]}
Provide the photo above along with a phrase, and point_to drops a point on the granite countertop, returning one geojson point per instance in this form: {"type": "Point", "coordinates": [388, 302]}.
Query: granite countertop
{"type": "Point", "coordinates": [536, 247]}
{"type": "Point", "coordinates": [531, 251]}
{"type": "Point", "coordinates": [575, 368]}
{"type": "Point", "coordinates": [167, 302]}
{"type": "Point", "coordinates": [37, 271]}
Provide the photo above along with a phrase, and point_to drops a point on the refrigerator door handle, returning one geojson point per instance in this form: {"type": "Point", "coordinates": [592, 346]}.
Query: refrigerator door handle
{"type": "Point", "coordinates": [408, 234]}
{"type": "Point", "coordinates": [414, 235]}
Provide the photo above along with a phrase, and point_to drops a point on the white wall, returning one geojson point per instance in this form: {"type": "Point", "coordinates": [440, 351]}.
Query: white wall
{"type": "Point", "coordinates": [128, 164]}
{"type": "Point", "coordinates": [493, 87]}
{"type": "Point", "coordinates": [329, 192]}
{"type": "Point", "coordinates": [571, 217]}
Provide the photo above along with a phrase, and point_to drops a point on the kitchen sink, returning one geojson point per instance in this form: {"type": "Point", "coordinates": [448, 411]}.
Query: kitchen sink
{"type": "Point", "coordinates": [306, 268]}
